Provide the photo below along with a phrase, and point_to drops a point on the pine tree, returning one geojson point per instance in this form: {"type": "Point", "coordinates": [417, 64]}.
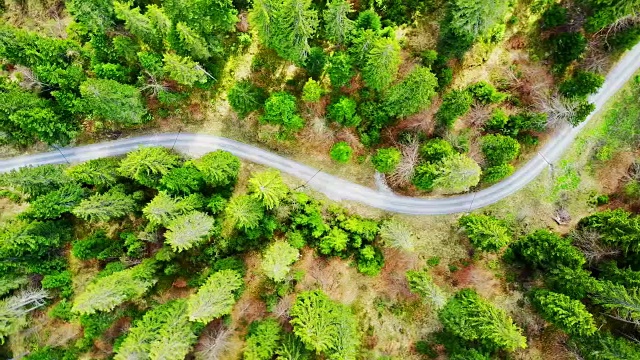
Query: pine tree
{"type": "Point", "coordinates": [338, 26]}
{"type": "Point", "coordinates": [244, 212]}
{"type": "Point", "coordinates": [413, 94]}
{"type": "Point", "coordinates": [163, 209]}
{"type": "Point", "coordinates": [277, 260]}
{"type": "Point", "coordinates": [184, 70]}
{"type": "Point", "coordinates": [476, 17]}
{"type": "Point", "coordinates": [164, 332]}
{"type": "Point", "coordinates": [219, 168]}
{"type": "Point", "coordinates": [112, 101]}
{"type": "Point", "coordinates": [192, 42]}
{"type": "Point", "coordinates": [471, 318]}
{"type": "Point", "coordinates": [458, 173]}
{"type": "Point", "coordinates": [55, 203]}
{"type": "Point", "coordinates": [216, 297]}
{"type": "Point", "coordinates": [382, 64]}
{"type": "Point", "coordinates": [291, 25]}
{"type": "Point", "coordinates": [105, 293]}
{"type": "Point", "coordinates": [567, 314]}
{"type": "Point", "coordinates": [262, 340]}
{"type": "Point", "coordinates": [187, 230]}
{"type": "Point", "coordinates": [99, 172]}
{"type": "Point", "coordinates": [137, 24]}
{"type": "Point", "coordinates": [485, 232]}
{"type": "Point", "coordinates": [421, 283]}
{"type": "Point", "coordinates": [268, 187]}
{"type": "Point", "coordinates": [147, 165]}
{"type": "Point", "coordinates": [397, 235]}
{"type": "Point", "coordinates": [34, 181]}
{"type": "Point", "coordinates": [104, 207]}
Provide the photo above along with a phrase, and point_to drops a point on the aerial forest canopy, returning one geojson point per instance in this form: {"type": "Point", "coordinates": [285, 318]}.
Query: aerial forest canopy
{"type": "Point", "coordinates": [158, 254]}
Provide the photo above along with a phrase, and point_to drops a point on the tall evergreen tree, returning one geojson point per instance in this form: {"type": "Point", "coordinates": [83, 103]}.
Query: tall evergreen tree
{"type": "Point", "coordinates": [112, 101]}
{"type": "Point", "coordinates": [337, 24]}
{"type": "Point", "coordinates": [147, 165]}
{"type": "Point", "coordinates": [382, 63]}
{"type": "Point", "coordinates": [268, 187]}
{"type": "Point", "coordinates": [216, 297]}
{"type": "Point", "coordinates": [104, 207]}
{"type": "Point", "coordinates": [187, 230]}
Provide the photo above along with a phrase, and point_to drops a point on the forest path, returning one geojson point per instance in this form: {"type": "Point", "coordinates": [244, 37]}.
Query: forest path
{"type": "Point", "coordinates": [337, 188]}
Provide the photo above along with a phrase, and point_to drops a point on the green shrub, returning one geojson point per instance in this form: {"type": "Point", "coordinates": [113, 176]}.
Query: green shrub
{"type": "Point", "coordinates": [96, 246]}
{"type": "Point", "coordinates": [582, 84]}
{"type": "Point", "coordinates": [344, 112]}
{"type": "Point", "coordinates": [555, 15]}
{"type": "Point", "coordinates": [60, 280]}
{"type": "Point", "coordinates": [569, 315]}
{"type": "Point", "coordinates": [496, 173]}
{"type": "Point", "coordinates": [424, 176]}
{"type": "Point", "coordinates": [485, 232]}
{"type": "Point", "coordinates": [312, 91]}
{"type": "Point", "coordinates": [281, 109]}
{"type": "Point", "coordinates": [62, 310]}
{"type": "Point", "coordinates": [340, 69]}
{"type": "Point", "coordinates": [455, 104]}
{"type": "Point", "coordinates": [263, 339]}
{"type": "Point", "coordinates": [485, 93]}
{"type": "Point", "coordinates": [341, 152]}
{"type": "Point", "coordinates": [497, 121]}
{"type": "Point", "coordinates": [370, 260]}
{"type": "Point", "coordinates": [436, 150]}
{"type": "Point", "coordinates": [499, 149]}
{"type": "Point", "coordinates": [582, 111]}
{"type": "Point", "coordinates": [567, 47]}
{"type": "Point", "coordinates": [624, 39]}
{"type": "Point", "coordinates": [386, 160]}
{"type": "Point", "coordinates": [245, 97]}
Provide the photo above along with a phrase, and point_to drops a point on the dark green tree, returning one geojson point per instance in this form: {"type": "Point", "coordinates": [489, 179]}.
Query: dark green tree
{"type": "Point", "coordinates": [455, 104]}
{"type": "Point", "coordinates": [499, 149]}
{"type": "Point", "coordinates": [111, 101]}
{"type": "Point", "coordinates": [245, 97]}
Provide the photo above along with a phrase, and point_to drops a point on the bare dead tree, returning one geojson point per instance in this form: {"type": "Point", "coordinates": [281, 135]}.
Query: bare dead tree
{"type": "Point", "coordinates": [214, 343]}
{"type": "Point", "coordinates": [281, 310]}
{"type": "Point", "coordinates": [404, 171]}
{"type": "Point", "coordinates": [28, 79]}
{"type": "Point", "coordinates": [479, 115]}
{"type": "Point", "coordinates": [588, 241]}
{"type": "Point", "coordinates": [562, 216]}
{"type": "Point", "coordinates": [559, 109]}
{"type": "Point", "coordinates": [154, 86]}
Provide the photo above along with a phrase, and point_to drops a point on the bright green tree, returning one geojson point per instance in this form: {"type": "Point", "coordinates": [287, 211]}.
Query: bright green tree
{"type": "Point", "coordinates": [34, 181]}
{"type": "Point", "coordinates": [281, 109]}
{"type": "Point", "coordinates": [344, 112]}
{"type": "Point", "coordinates": [295, 24]}
{"type": "Point", "coordinates": [164, 332]}
{"type": "Point", "coordinates": [413, 94]}
{"type": "Point", "coordinates": [421, 284]}
{"type": "Point", "coordinates": [341, 152]}
{"type": "Point", "coordinates": [455, 104]}
{"type": "Point", "coordinates": [216, 297]}
{"type": "Point", "coordinates": [268, 187]}
{"type": "Point", "coordinates": [500, 149]}
{"type": "Point", "coordinates": [457, 173]}
{"type": "Point", "coordinates": [340, 69]}
{"type": "Point", "coordinates": [277, 260]}
{"type": "Point", "coordinates": [184, 70]}
{"type": "Point", "coordinates": [107, 292]}
{"type": "Point", "coordinates": [163, 208]}
{"type": "Point", "coordinates": [263, 339]}
{"type": "Point", "coordinates": [325, 326]}
{"type": "Point", "coordinates": [98, 172]}
{"type": "Point", "coordinates": [382, 63]}
{"type": "Point", "coordinates": [186, 231]}
{"type": "Point", "coordinates": [186, 179]}
{"type": "Point", "coordinates": [148, 165]}
{"type": "Point", "coordinates": [476, 17]}
{"type": "Point", "coordinates": [386, 160]}
{"type": "Point", "coordinates": [312, 91]}
{"type": "Point", "coordinates": [569, 315]}
{"type": "Point", "coordinates": [485, 232]}
{"type": "Point", "coordinates": [112, 101]}
{"type": "Point", "coordinates": [104, 207]}
{"type": "Point", "coordinates": [337, 25]}
{"type": "Point", "coordinates": [192, 42]}
{"type": "Point", "coordinates": [472, 318]}
{"type": "Point", "coordinates": [219, 168]}
{"type": "Point", "coordinates": [245, 212]}
{"type": "Point", "coordinates": [137, 24]}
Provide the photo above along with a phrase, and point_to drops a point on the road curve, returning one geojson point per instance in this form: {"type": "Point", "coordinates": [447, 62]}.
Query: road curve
{"type": "Point", "coordinates": [340, 189]}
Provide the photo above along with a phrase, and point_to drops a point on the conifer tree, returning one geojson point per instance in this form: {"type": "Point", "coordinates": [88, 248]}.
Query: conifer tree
{"type": "Point", "coordinates": [216, 297]}
{"type": "Point", "coordinates": [98, 172]}
{"type": "Point", "coordinates": [268, 187]}
{"type": "Point", "coordinates": [184, 70]}
{"type": "Point", "coordinates": [277, 260]}
{"type": "Point", "coordinates": [382, 64]}
{"type": "Point", "coordinates": [244, 212]}
{"type": "Point", "coordinates": [105, 293]}
{"type": "Point", "coordinates": [185, 231]}
{"type": "Point", "coordinates": [219, 168]}
{"type": "Point", "coordinates": [195, 45]}
{"type": "Point", "coordinates": [147, 165]}
{"type": "Point", "coordinates": [337, 24]}
{"type": "Point", "coordinates": [104, 207]}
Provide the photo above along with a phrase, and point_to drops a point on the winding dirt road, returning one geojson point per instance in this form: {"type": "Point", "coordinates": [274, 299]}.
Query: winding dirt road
{"type": "Point", "coordinates": [340, 189]}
